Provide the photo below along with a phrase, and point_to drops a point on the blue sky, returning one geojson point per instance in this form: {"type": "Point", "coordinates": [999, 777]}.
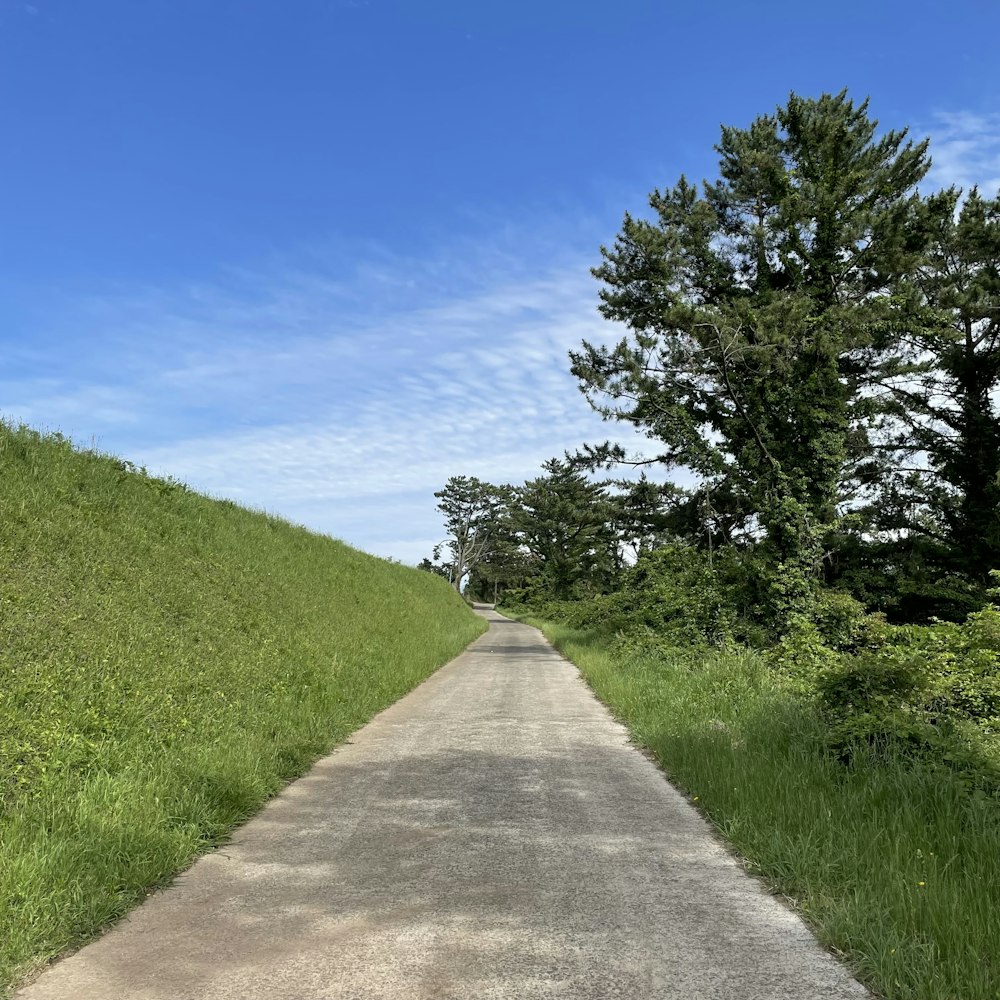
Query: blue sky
{"type": "Point", "coordinates": [319, 255]}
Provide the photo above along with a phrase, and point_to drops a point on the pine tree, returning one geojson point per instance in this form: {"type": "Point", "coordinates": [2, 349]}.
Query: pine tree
{"type": "Point", "coordinates": [953, 407]}
{"type": "Point", "coordinates": [761, 307]}
{"type": "Point", "coordinates": [561, 518]}
{"type": "Point", "coordinates": [473, 511]}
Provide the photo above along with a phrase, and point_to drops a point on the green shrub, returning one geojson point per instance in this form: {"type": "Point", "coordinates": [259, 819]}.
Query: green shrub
{"type": "Point", "coordinates": [675, 593]}
{"type": "Point", "coordinates": [982, 629]}
{"type": "Point", "coordinates": [917, 686]}
{"type": "Point", "coordinates": [838, 618]}
{"type": "Point", "coordinates": [802, 653]}
{"type": "Point", "coordinates": [874, 702]}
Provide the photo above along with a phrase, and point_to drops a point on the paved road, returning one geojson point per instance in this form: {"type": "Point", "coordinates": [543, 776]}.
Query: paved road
{"type": "Point", "coordinates": [492, 835]}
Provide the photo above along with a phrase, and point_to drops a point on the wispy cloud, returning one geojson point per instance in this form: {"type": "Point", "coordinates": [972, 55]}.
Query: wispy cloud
{"type": "Point", "coordinates": [965, 149]}
{"type": "Point", "coordinates": [341, 398]}
{"type": "Point", "coordinates": [341, 386]}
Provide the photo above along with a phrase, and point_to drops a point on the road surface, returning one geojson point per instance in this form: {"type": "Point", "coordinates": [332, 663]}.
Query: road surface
{"type": "Point", "coordinates": [491, 835]}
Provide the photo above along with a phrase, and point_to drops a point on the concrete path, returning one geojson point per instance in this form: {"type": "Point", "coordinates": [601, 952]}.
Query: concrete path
{"type": "Point", "coordinates": [491, 835]}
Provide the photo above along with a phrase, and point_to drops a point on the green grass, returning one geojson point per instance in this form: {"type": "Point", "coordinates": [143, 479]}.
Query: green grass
{"type": "Point", "coordinates": [168, 662]}
{"type": "Point", "coordinates": [895, 866]}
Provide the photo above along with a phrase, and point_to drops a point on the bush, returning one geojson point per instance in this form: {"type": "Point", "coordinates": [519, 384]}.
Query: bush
{"type": "Point", "coordinates": [802, 654]}
{"type": "Point", "coordinates": [875, 701]}
{"type": "Point", "coordinates": [919, 686]}
{"type": "Point", "coordinates": [838, 618]}
{"type": "Point", "coordinates": [674, 592]}
{"type": "Point", "coordinates": [671, 593]}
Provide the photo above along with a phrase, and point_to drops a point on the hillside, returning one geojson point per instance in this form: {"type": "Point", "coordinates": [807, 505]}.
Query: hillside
{"type": "Point", "coordinates": [167, 662]}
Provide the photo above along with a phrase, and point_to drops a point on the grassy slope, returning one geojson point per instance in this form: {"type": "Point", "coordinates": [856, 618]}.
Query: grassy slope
{"type": "Point", "coordinates": [167, 662]}
{"type": "Point", "coordinates": [896, 867]}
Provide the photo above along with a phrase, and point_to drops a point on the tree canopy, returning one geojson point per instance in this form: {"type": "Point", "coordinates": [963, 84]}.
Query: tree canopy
{"type": "Point", "coordinates": [817, 340]}
{"type": "Point", "coordinates": [472, 511]}
{"type": "Point", "coordinates": [764, 309]}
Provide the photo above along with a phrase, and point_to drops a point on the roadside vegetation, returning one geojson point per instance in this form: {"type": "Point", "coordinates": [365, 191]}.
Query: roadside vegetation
{"type": "Point", "coordinates": [167, 663]}
{"type": "Point", "coordinates": [806, 634]}
{"type": "Point", "coordinates": [888, 845]}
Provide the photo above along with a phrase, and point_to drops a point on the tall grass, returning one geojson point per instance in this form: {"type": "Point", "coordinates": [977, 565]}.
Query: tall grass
{"type": "Point", "coordinates": [896, 865]}
{"type": "Point", "coordinates": [167, 662]}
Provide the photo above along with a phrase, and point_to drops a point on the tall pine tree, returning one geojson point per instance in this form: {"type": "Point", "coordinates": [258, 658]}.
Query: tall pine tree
{"type": "Point", "coordinates": [759, 307]}
{"type": "Point", "coordinates": [953, 407]}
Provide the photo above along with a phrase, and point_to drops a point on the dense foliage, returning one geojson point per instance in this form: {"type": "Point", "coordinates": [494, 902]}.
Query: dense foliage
{"type": "Point", "coordinates": [814, 341]}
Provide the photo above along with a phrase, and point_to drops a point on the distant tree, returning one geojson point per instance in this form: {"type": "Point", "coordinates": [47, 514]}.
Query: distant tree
{"type": "Point", "coordinates": [507, 564]}
{"type": "Point", "coordinates": [563, 521]}
{"type": "Point", "coordinates": [473, 513]}
{"type": "Point", "coordinates": [434, 567]}
{"type": "Point", "coordinates": [638, 512]}
{"type": "Point", "coordinates": [956, 408]}
{"type": "Point", "coordinates": [759, 308]}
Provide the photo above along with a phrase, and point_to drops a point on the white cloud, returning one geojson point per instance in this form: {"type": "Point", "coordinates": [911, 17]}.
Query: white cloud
{"type": "Point", "coordinates": [965, 149]}
{"type": "Point", "coordinates": [487, 392]}
{"type": "Point", "coordinates": [47, 404]}
{"type": "Point", "coordinates": [340, 400]}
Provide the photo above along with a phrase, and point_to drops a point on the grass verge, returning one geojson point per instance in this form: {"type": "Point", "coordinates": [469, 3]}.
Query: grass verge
{"type": "Point", "coordinates": [895, 866]}
{"type": "Point", "coordinates": [167, 663]}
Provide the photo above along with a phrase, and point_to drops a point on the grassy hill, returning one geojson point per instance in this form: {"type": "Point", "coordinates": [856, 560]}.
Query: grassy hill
{"type": "Point", "coordinates": [168, 662]}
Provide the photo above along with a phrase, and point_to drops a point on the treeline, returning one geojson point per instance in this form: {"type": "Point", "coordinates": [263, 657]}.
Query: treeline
{"type": "Point", "coordinates": [804, 636]}
{"type": "Point", "coordinates": [563, 535]}
{"type": "Point", "coordinates": [815, 342]}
